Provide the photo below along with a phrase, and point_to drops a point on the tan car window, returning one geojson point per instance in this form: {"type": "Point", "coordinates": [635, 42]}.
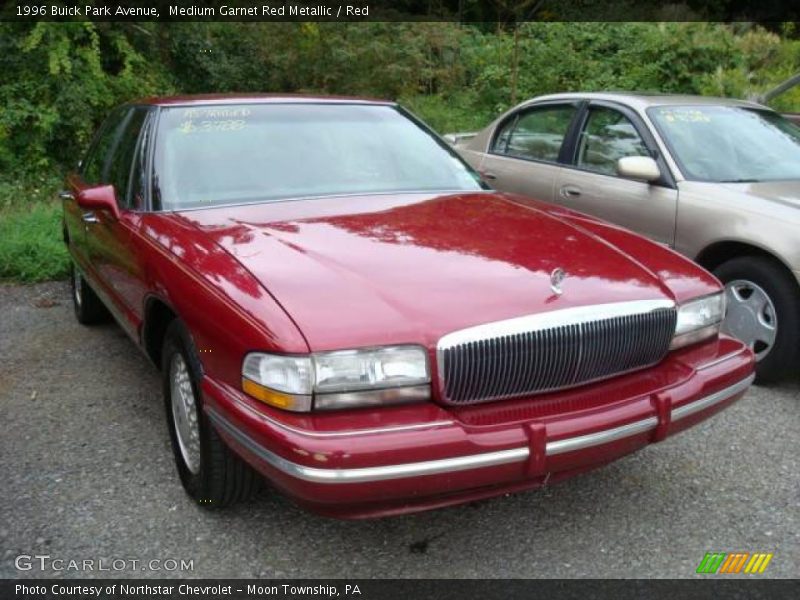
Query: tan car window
{"type": "Point", "coordinates": [607, 137]}
{"type": "Point", "coordinates": [536, 135]}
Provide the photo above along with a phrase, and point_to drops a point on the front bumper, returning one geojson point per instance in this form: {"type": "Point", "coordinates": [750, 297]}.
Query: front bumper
{"type": "Point", "coordinates": [402, 459]}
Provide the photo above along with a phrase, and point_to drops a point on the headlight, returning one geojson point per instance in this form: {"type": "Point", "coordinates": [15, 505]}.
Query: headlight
{"type": "Point", "coordinates": [282, 381]}
{"type": "Point", "coordinates": [698, 319]}
{"type": "Point", "coordinates": [341, 379]}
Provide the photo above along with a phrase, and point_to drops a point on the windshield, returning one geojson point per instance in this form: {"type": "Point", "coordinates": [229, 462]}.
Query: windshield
{"type": "Point", "coordinates": [730, 144]}
{"type": "Point", "coordinates": [215, 155]}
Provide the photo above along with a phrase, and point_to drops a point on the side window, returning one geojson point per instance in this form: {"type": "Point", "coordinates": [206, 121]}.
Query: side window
{"type": "Point", "coordinates": [136, 187]}
{"type": "Point", "coordinates": [122, 156]}
{"type": "Point", "coordinates": [537, 134]}
{"type": "Point", "coordinates": [500, 145]}
{"type": "Point", "coordinates": [608, 136]}
{"type": "Point", "coordinates": [94, 166]}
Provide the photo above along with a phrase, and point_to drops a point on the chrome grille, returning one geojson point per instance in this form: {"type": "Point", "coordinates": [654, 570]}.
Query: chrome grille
{"type": "Point", "coordinates": [552, 351]}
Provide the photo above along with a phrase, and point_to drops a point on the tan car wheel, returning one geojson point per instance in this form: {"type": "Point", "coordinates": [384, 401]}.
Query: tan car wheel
{"type": "Point", "coordinates": [764, 312]}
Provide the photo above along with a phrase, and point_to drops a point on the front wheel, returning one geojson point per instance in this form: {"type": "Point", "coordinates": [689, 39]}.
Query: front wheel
{"type": "Point", "coordinates": [210, 472]}
{"type": "Point", "coordinates": [763, 311]}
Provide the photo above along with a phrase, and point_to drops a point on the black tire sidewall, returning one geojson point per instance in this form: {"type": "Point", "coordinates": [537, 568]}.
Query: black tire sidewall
{"type": "Point", "coordinates": [783, 292]}
{"type": "Point", "coordinates": [78, 308]}
{"type": "Point", "coordinates": [91, 310]}
{"type": "Point", "coordinates": [177, 341]}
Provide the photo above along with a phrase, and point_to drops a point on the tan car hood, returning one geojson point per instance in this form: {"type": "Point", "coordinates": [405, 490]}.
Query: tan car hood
{"type": "Point", "coordinates": [783, 192]}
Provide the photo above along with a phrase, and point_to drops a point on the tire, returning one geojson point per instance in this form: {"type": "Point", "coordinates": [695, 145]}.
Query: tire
{"type": "Point", "coordinates": [212, 475]}
{"type": "Point", "coordinates": [89, 309]}
{"type": "Point", "coordinates": [764, 275]}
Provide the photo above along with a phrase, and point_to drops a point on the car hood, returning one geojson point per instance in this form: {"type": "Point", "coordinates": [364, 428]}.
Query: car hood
{"type": "Point", "coordinates": [786, 193]}
{"type": "Point", "coordinates": [389, 269]}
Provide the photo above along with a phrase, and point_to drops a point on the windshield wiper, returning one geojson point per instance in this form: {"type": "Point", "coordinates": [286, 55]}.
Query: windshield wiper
{"type": "Point", "coordinates": [739, 181]}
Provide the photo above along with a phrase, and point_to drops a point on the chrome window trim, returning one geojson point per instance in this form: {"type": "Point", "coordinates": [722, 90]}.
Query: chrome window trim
{"type": "Point", "coordinates": [344, 196]}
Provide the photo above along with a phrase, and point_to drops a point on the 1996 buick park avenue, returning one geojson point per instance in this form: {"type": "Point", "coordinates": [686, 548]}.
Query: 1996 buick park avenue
{"type": "Point", "coordinates": [337, 302]}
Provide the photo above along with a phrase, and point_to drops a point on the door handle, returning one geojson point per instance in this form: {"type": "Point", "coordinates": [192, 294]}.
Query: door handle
{"type": "Point", "coordinates": [66, 195]}
{"type": "Point", "coordinates": [490, 176]}
{"type": "Point", "coordinates": [89, 217]}
{"type": "Point", "coordinates": [570, 191]}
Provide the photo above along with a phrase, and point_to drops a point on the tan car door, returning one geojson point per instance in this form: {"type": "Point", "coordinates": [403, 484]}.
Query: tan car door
{"type": "Point", "coordinates": [591, 184]}
{"type": "Point", "coordinates": [524, 152]}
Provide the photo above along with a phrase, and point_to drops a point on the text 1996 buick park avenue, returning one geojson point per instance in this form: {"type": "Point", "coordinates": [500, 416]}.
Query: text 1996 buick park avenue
{"type": "Point", "coordinates": [339, 303]}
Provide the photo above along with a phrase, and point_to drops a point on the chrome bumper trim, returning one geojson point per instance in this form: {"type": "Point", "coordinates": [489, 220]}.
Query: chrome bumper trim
{"type": "Point", "coordinates": [721, 359]}
{"type": "Point", "coordinates": [317, 475]}
{"type": "Point", "coordinates": [601, 437]}
{"type": "Point", "coordinates": [463, 463]}
{"type": "Point", "coordinates": [358, 432]}
{"type": "Point", "coordinates": [689, 409]}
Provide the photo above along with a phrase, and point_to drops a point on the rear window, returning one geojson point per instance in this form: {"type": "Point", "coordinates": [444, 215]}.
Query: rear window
{"type": "Point", "coordinates": [216, 155]}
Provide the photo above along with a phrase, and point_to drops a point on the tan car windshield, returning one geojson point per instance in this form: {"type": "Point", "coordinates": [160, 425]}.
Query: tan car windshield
{"type": "Point", "coordinates": [730, 144]}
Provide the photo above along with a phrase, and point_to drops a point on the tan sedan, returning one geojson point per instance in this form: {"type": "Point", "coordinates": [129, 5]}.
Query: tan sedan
{"type": "Point", "coordinates": [716, 179]}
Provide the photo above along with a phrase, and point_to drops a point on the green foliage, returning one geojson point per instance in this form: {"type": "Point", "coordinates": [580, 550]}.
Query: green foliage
{"type": "Point", "coordinates": [58, 81]}
{"type": "Point", "coordinates": [764, 59]}
{"type": "Point", "coordinates": [455, 112]}
{"type": "Point", "coordinates": [31, 246]}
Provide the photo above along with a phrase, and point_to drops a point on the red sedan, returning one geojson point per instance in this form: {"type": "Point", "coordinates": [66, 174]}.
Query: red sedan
{"type": "Point", "coordinates": [338, 302]}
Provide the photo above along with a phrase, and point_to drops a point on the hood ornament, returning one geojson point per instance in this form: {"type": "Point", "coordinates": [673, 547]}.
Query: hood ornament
{"type": "Point", "coordinates": [556, 278]}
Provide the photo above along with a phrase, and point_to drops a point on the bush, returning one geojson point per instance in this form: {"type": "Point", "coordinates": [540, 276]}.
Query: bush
{"type": "Point", "coordinates": [59, 80]}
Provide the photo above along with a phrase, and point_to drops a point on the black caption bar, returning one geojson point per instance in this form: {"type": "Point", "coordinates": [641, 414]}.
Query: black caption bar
{"type": "Point", "coordinates": [199, 10]}
{"type": "Point", "coordinates": [389, 589]}
{"type": "Point", "coordinates": [501, 11]}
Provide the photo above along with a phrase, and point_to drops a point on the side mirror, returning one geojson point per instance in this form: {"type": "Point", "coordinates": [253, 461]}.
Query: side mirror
{"type": "Point", "coordinates": [101, 197]}
{"type": "Point", "coordinates": [638, 167]}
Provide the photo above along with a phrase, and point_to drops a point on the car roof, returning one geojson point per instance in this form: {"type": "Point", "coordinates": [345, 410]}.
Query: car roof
{"type": "Point", "coordinates": [222, 99]}
{"type": "Point", "coordinates": [642, 100]}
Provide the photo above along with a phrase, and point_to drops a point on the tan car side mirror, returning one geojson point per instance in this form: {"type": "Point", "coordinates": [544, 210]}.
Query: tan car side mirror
{"type": "Point", "coordinates": [638, 167]}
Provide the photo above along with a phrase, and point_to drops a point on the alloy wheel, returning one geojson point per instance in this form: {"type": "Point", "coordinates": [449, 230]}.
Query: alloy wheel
{"type": "Point", "coordinates": [184, 413]}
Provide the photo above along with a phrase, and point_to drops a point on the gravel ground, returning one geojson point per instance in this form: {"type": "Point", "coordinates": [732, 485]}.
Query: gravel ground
{"type": "Point", "coordinates": [87, 474]}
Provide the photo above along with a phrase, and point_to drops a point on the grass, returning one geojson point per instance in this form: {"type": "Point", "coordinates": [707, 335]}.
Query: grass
{"type": "Point", "coordinates": [31, 246]}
